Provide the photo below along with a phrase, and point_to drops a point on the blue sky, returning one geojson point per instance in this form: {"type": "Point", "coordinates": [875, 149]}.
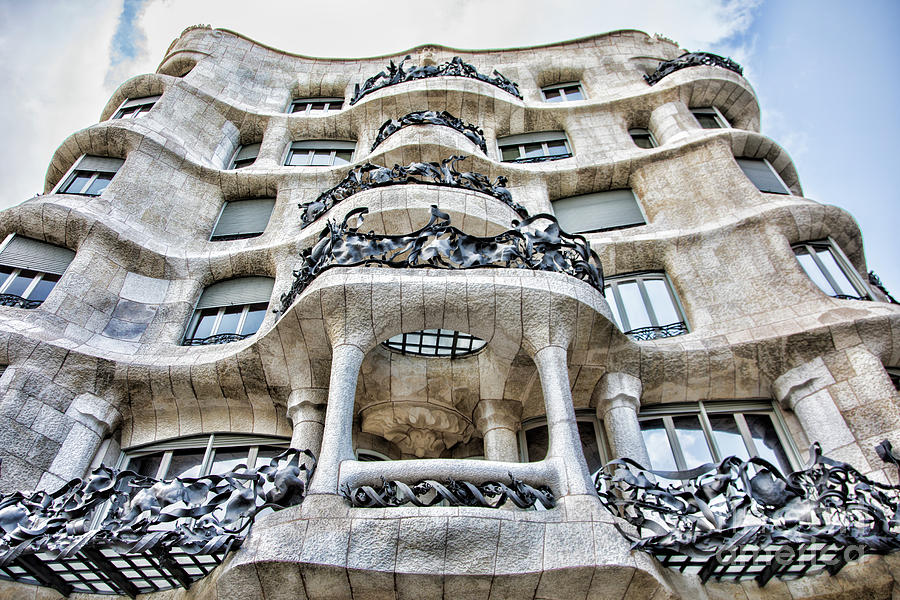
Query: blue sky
{"type": "Point", "coordinates": [823, 70]}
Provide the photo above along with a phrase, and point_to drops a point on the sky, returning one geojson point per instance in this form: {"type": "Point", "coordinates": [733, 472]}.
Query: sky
{"type": "Point", "coordinates": [823, 70]}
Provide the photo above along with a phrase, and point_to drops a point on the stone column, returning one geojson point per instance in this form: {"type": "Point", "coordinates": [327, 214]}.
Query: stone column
{"type": "Point", "coordinates": [337, 435]}
{"type": "Point", "coordinates": [306, 410]}
{"type": "Point", "coordinates": [618, 397]}
{"type": "Point", "coordinates": [565, 443]}
{"type": "Point", "coordinates": [498, 421]}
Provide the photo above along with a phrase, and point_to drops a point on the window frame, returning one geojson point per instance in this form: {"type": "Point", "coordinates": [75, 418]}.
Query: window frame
{"type": "Point", "coordinates": [322, 147]}
{"type": "Point", "coordinates": [787, 191]}
{"type": "Point", "coordinates": [141, 107]}
{"type": "Point", "coordinates": [843, 264]}
{"type": "Point", "coordinates": [581, 416]}
{"type": "Point", "coordinates": [560, 213]}
{"type": "Point", "coordinates": [241, 236]}
{"type": "Point", "coordinates": [233, 163]}
{"type": "Point", "coordinates": [632, 131]}
{"type": "Point", "coordinates": [563, 96]}
{"type": "Point", "coordinates": [220, 313]}
{"type": "Point", "coordinates": [36, 279]}
{"type": "Point", "coordinates": [327, 100]}
{"type": "Point", "coordinates": [713, 112]}
{"type": "Point", "coordinates": [72, 174]}
{"type": "Point", "coordinates": [401, 346]}
{"type": "Point", "coordinates": [894, 375]}
{"type": "Point", "coordinates": [612, 283]}
{"type": "Point", "coordinates": [736, 408]}
{"type": "Point", "coordinates": [539, 137]}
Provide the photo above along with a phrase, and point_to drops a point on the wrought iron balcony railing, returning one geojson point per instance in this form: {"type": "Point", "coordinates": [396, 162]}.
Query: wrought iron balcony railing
{"type": "Point", "coordinates": [692, 59]}
{"type": "Point", "coordinates": [491, 494]}
{"type": "Point", "coordinates": [540, 159]}
{"type": "Point", "coordinates": [221, 338]}
{"type": "Point", "coordinates": [18, 301]}
{"type": "Point", "coordinates": [644, 334]}
{"type": "Point", "coordinates": [369, 176]}
{"type": "Point", "coordinates": [746, 520]}
{"type": "Point", "coordinates": [455, 67]}
{"type": "Point", "coordinates": [430, 117]}
{"type": "Point", "coordinates": [117, 532]}
{"type": "Point", "coordinates": [537, 243]}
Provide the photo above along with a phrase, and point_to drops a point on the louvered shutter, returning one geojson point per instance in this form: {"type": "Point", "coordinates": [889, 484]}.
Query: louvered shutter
{"type": "Point", "coordinates": [26, 253]}
{"type": "Point", "coordinates": [762, 175]}
{"type": "Point", "coordinates": [603, 210]}
{"type": "Point", "coordinates": [529, 138]}
{"type": "Point", "coordinates": [100, 164]}
{"type": "Point", "coordinates": [140, 101]}
{"type": "Point", "coordinates": [246, 290]}
{"type": "Point", "coordinates": [244, 217]}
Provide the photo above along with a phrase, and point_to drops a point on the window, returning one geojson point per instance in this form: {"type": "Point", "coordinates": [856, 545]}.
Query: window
{"type": "Point", "coordinates": [685, 436]}
{"type": "Point", "coordinates": [893, 373]}
{"type": "Point", "coordinates": [710, 118]}
{"type": "Point", "coordinates": [534, 441]}
{"type": "Point", "coordinates": [29, 270]}
{"type": "Point", "coordinates": [642, 138]}
{"type": "Point", "coordinates": [644, 306]}
{"type": "Point", "coordinates": [534, 147]}
{"type": "Point", "coordinates": [613, 209]}
{"type": "Point", "coordinates": [443, 343]}
{"type": "Point", "coordinates": [229, 311]}
{"type": "Point", "coordinates": [241, 219]}
{"type": "Point", "coordinates": [826, 265]}
{"type": "Point", "coordinates": [315, 105]}
{"type": "Point", "coordinates": [563, 92]}
{"type": "Point", "coordinates": [763, 176]}
{"type": "Point", "coordinates": [319, 153]}
{"type": "Point", "coordinates": [135, 107]}
{"type": "Point", "coordinates": [90, 176]}
{"type": "Point", "coordinates": [245, 156]}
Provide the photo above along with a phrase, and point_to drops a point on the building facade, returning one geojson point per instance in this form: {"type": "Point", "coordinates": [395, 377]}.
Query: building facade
{"type": "Point", "coordinates": [492, 272]}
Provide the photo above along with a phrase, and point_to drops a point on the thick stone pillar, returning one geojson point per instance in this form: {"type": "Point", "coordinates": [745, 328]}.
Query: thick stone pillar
{"type": "Point", "coordinates": [337, 435]}
{"type": "Point", "coordinates": [618, 397]}
{"type": "Point", "coordinates": [306, 410]}
{"type": "Point", "coordinates": [565, 443]}
{"type": "Point", "coordinates": [498, 421]}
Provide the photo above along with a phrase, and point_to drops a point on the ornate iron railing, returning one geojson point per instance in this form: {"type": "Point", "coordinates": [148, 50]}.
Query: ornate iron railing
{"type": "Point", "coordinates": [430, 117]}
{"type": "Point", "coordinates": [118, 532]}
{"type": "Point", "coordinates": [876, 281]}
{"type": "Point", "coordinates": [745, 519]}
{"type": "Point", "coordinates": [539, 159]}
{"type": "Point", "coordinates": [455, 67]}
{"type": "Point", "coordinates": [644, 334]}
{"type": "Point", "coordinates": [18, 301]}
{"type": "Point", "coordinates": [849, 297]}
{"type": "Point", "coordinates": [438, 245]}
{"type": "Point", "coordinates": [692, 59]}
{"type": "Point", "coordinates": [370, 176]}
{"type": "Point", "coordinates": [221, 338]}
{"type": "Point", "coordinates": [491, 494]}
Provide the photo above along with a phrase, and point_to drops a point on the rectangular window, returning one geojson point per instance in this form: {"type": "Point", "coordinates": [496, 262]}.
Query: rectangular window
{"type": "Point", "coordinates": [644, 306]}
{"type": "Point", "coordinates": [763, 175]}
{"type": "Point", "coordinates": [229, 311]}
{"type": "Point", "coordinates": [563, 92]}
{"type": "Point", "coordinates": [245, 156]}
{"type": "Point", "coordinates": [90, 175]}
{"type": "Point", "coordinates": [243, 219]}
{"type": "Point", "coordinates": [601, 211]}
{"type": "Point", "coordinates": [315, 105]}
{"type": "Point", "coordinates": [29, 270]}
{"type": "Point", "coordinates": [710, 118]}
{"type": "Point", "coordinates": [534, 147]}
{"type": "Point", "coordinates": [642, 138]}
{"type": "Point", "coordinates": [534, 441]}
{"type": "Point", "coordinates": [893, 373]}
{"type": "Point", "coordinates": [825, 264]}
{"type": "Point", "coordinates": [320, 153]}
{"type": "Point", "coordinates": [135, 107]}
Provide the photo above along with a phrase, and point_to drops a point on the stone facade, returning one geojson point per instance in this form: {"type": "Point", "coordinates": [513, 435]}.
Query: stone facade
{"type": "Point", "coordinates": [99, 368]}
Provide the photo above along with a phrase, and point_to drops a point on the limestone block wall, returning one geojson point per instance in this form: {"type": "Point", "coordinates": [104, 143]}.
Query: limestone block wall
{"type": "Point", "coordinates": [100, 365]}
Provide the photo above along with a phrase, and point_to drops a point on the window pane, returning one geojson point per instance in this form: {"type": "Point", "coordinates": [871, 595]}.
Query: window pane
{"type": "Point", "coordinates": [692, 441]}
{"type": "Point", "coordinates": [318, 106]}
{"type": "Point", "coordinates": [812, 270]}
{"type": "Point", "coordinates": [230, 319]}
{"type": "Point", "coordinates": [574, 93]}
{"type": "Point", "coordinates": [18, 285]}
{"type": "Point", "coordinates": [532, 150]}
{"type": "Point", "coordinates": [707, 121]}
{"type": "Point", "coordinates": [298, 158]}
{"type": "Point", "coordinates": [611, 300]}
{"type": "Point", "coordinates": [510, 152]}
{"type": "Point", "coordinates": [5, 272]}
{"type": "Point", "coordinates": [146, 465]}
{"type": "Point", "coordinates": [78, 182]}
{"type": "Point", "coordinates": [205, 323]}
{"type": "Point", "coordinates": [342, 157]}
{"type": "Point", "coordinates": [661, 300]}
{"type": "Point", "coordinates": [185, 463]}
{"type": "Point", "coordinates": [590, 446]}
{"type": "Point", "coordinates": [99, 184]}
{"type": "Point", "coordinates": [557, 147]}
{"type": "Point", "coordinates": [267, 453]}
{"type": "Point", "coordinates": [43, 287]}
{"type": "Point", "coordinates": [642, 140]}
{"type": "Point", "coordinates": [254, 318]}
{"type": "Point", "coordinates": [226, 459]}
{"type": "Point", "coordinates": [634, 305]}
{"type": "Point", "coordinates": [537, 440]}
{"type": "Point", "coordinates": [553, 96]}
{"type": "Point", "coordinates": [843, 283]}
{"type": "Point", "coordinates": [762, 430]}
{"type": "Point", "coordinates": [321, 158]}
{"type": "Point", "coordinates": [728, 437]}
{"type": "Point", "coordinates": [298, 107]}
{"type": "Point", "coordinates": [657, 443]}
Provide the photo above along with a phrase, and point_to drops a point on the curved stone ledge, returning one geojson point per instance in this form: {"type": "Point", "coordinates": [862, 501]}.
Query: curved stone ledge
{"type": "Point", "coordinates": [148, 84]}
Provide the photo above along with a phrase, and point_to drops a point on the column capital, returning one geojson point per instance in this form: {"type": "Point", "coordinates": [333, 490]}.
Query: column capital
{"type": "Point", "coordinates": [618, 390]}
{"type": "Point", "coordinates": [304, 401]}
{"type": "Point", "coordinates": [802, 381]}
{"type": "Point", "coordinates": [491, 414]}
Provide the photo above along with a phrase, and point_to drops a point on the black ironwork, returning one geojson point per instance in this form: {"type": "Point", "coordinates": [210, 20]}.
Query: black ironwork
{"type": "Point", "coordinates": [538, 159]}
{"type": "Point", "coordinates": [455, 67]}
{"type": "Point", "coordinates": [220, 338]}
{"type": "Point", "coordinates": [118, 532]}
{"type": "Point", "coordinates": [438, 245]}
{"type": "Point", "coordinates": [692, 59]}
{"type": "Point", "coordinates": [644, 334]}
{"type": "Point", "coordinates": [849, 297]}
{"type": "Point", "coordinates": [368, 176]}
{"type": "Point", "coordinates": [744, 519]}
{"type": "Point", "coordinates": [18, 301]}
{"type": "Point", "coordinates": [876, 281]}
{"type": "Point", "coordinates": [443, 343]}
{"type": "Point", "coordinates": [430, 117]}
{"type": "Point", "coordinates": [491, 494]}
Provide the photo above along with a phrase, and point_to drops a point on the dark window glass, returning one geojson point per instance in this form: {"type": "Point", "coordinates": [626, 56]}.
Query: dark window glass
{"type": "Point", "coordinates": [589, 445]}
{"type": "Point", "coordinates": [510, 152]}
{"type": "Point", "coordinates": [230, 320]}
{"type": "Point", "coordinates": [43, 287]}
{"type": "Point", "coordinates": [254, 319]}
{"type": "Point", "coordinates": [78, 182]}
{"type": "Point", "coordinates": [537, 440]}
{"type": "Point", "coordinates": [657, 443]}
{"type": "Point", "coordinates": [321, 158]}
{"type": "Point", "coordinates": [5, 272]}
{"type": "Point", "coordinates": [707, 121]}
{"type": "Point", "coordinates": [768, 446]}
{"type": "Point", "coordinates": [728, 436]}
{"type": "Point", "coordinates": [185, 463]}
{"type": "Point", "coordinates": [205, 323]}
{"type": "Point", "coordinates": [532, 150]}
{"type": "Point", "coordinates": [146, 465]}
{"type": "Point", "coordinates": [227, 459]}
{"type": "Point", "coordinates": [18, 285]}
{"type": "Point", "coordinates": [99, 184]}
{"type": "Point", "coordinates": [342, 157]}
{"type": "Point", "coordinates": [574, 93]}
{"type": "Point", "coordinates": [553, 96]}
